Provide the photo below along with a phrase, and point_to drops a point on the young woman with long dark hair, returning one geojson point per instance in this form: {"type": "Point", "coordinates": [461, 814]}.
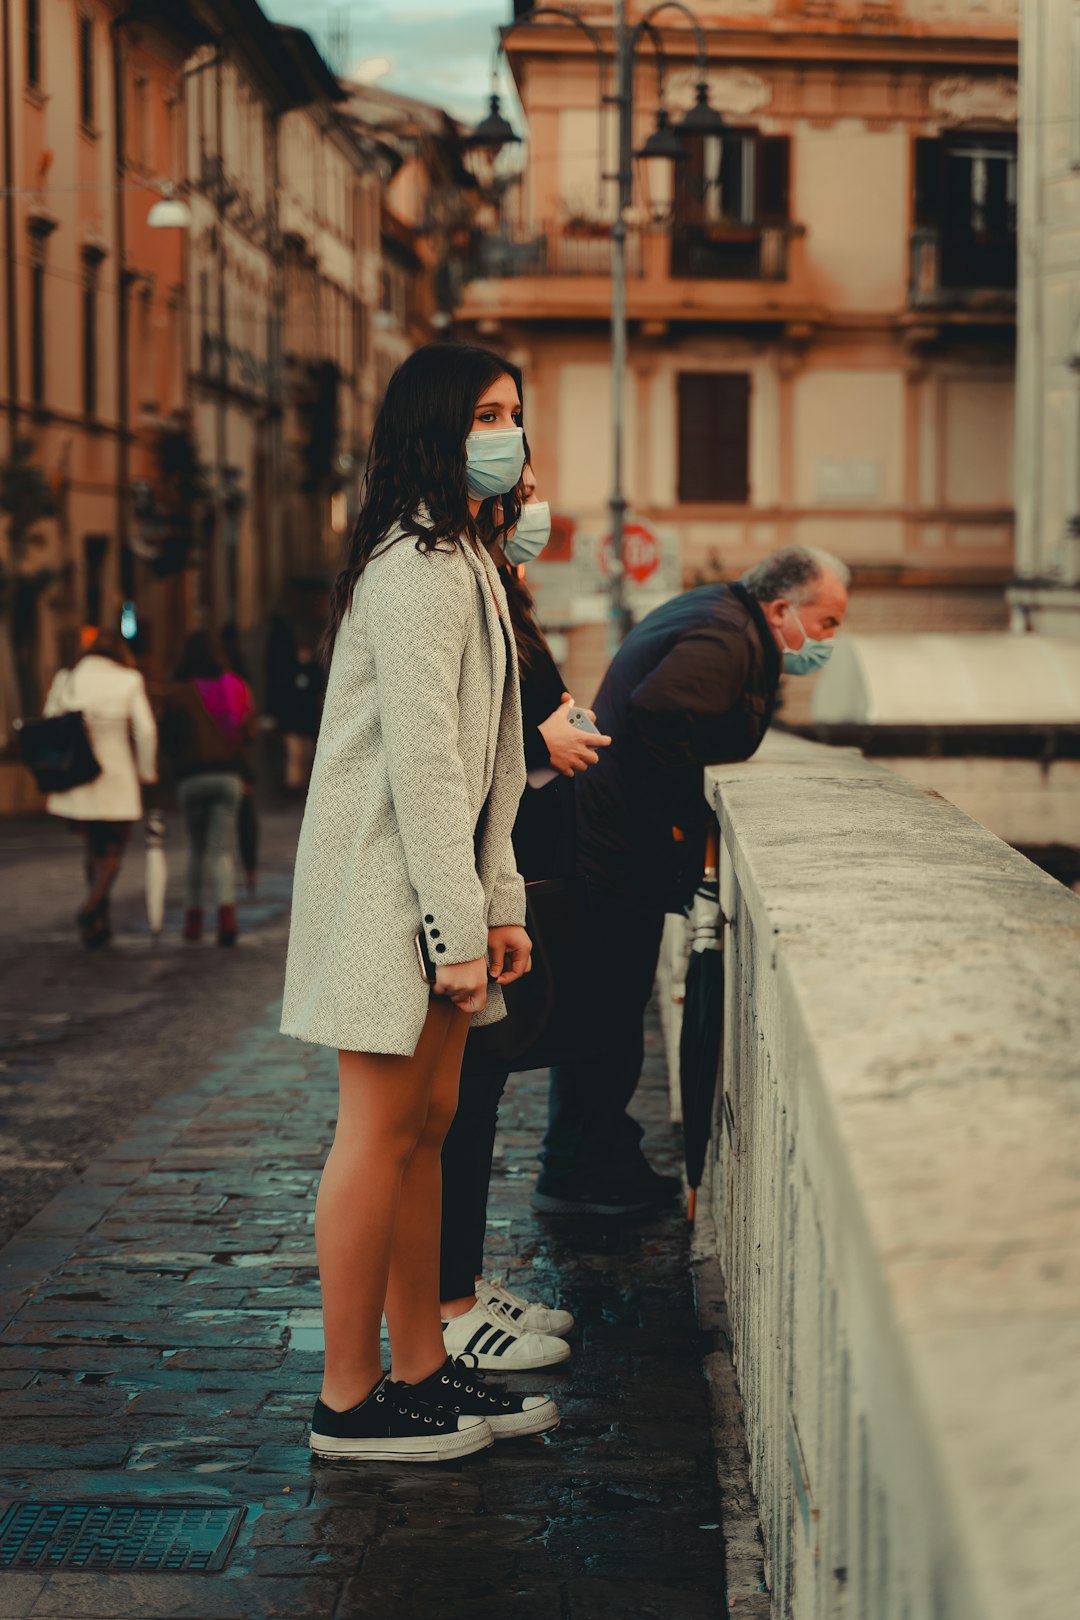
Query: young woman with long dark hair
{"type": "Point", "coordinates": [405, 856]}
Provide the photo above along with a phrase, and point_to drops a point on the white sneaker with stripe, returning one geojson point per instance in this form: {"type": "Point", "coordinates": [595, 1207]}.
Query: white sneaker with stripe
{"type": "Point", "coordinates": [526, 1317]}
{"type": "Point", "coordinates": [498, 1345]}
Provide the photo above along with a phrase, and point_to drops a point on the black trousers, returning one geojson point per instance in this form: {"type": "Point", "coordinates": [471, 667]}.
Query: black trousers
{"type": "Point", "coordinates": [589, 1130]}
{"type": "Point", "coordinates": [467, 1156]}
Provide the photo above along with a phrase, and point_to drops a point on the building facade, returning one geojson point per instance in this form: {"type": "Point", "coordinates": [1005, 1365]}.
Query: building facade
{"type": "Point", "coordinates": [239, 88]}
{"type": "Point", "coordinates": [91, 339]}
{"type": "Point", "coordinates": [1048, 347]}
{"type": "Point", "coordinates": [186, 408]}
{"type": "Point", "coordinates": [822, 306]}
{"type": "Point", "coordinates": [429, 201]}
{"type": "Point", "coordinates": [329, 207]}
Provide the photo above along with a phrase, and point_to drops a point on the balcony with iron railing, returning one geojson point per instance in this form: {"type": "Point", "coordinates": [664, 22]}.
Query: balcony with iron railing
{"type": "Point", "coordinates": [730, 251]}
{"type": "Point", "coordinates": [570, 249]}
{"type": "Point", "coordinates": [954, 272]}
{"type": "Point", "coordinates": [565, 268]}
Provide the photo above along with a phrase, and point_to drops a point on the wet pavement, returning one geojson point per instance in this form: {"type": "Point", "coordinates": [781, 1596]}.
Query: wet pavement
{"type": "Point", "coordinates": [88, 1039]}
{"type": "Point", "coordinates": [160, 1344]}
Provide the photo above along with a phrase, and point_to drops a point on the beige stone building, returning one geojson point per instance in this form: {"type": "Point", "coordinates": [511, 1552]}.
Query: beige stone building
{"type": "Point", "coordinates": [331, 191]}
{"type": "Point", "coordinates": [1048, 348]}
{"type": "Point", "coordinates": [197, 399]}
{"type": "Point", "coordinates": [238, 88]}
{"type": "Point", "coordinates": [822, 315]}
{"type": "Point", "coordinates": [428, 204]}
{"type": "Point", "coordinates": [280, 276]}
{"type": "Point", "coordinates": [92, 316]}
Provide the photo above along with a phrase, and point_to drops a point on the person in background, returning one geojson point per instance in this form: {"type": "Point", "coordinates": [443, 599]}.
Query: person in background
{"type": "Point", "coordinates": [207, 727]}
{"type": "Point", "coordinates": [247, 815]}
{"type": "Point", "coordinates": [694, 684]}
{"type": "Point", "coordinates": [482, 1318]}
{"type": "Point", "coordinates": [301, 711]}
{"type": "Point", "coordinates": [111, 694]}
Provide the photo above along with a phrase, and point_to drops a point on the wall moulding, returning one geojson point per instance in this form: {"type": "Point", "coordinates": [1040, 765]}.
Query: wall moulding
{"type": "Point", "coordinates": [731, 90]}
{"type": "Point", "coordinates": [878, 96]}
{"type": "Point", "coordinates": [965, 100]}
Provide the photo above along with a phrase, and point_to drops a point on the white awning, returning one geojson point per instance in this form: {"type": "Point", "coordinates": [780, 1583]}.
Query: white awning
{"type": "Point", "coordinates": [969, 680]}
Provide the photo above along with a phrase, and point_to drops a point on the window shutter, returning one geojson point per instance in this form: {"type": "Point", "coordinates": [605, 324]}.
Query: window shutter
{"type": "Point", "coordinates": [689, 182]}
{"type": "Point", "coordinates": [714, 436]}
{"type": "Point", "coordinates": [86, 70]}
{"type": "Point", "coordinates": [731, 176]}
{"type": "Point", "coordinates": [928, 163]}
{"type": "Point", "coordinates": [773, 202]}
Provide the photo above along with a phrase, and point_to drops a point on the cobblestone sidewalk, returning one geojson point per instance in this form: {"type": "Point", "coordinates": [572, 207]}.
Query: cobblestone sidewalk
{"type": "Point", "coordinates": [161, 1342]}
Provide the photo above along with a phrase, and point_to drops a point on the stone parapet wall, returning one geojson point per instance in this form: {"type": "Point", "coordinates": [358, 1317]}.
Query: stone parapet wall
{"type": "Point", "coordinates": [894, 1186]}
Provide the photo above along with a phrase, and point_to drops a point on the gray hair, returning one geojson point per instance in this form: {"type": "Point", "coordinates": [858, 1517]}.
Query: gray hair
{"type": "Point", "coordinates": [792, 572]}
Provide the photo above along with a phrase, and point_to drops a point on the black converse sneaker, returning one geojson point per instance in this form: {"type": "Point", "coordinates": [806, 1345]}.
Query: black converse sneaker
{"type": "Point", "coordinates": [458, 1385]}
{"type": "Point", "coordinates": [394, 1424]}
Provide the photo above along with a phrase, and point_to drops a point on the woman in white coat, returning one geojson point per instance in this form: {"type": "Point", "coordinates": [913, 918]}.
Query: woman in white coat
{"type": "Point", "coordinates": [111, 694]}
{"type": "Point", "coordinates": [405, 855]}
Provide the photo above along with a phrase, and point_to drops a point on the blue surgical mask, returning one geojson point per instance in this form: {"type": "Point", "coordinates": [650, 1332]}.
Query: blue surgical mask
{"type": "Point", "coordinates": [530, 535]}
{"type": "Point", "coordinates": [810, 657]}
{"type": "Point", "coordinates": [494, 461]}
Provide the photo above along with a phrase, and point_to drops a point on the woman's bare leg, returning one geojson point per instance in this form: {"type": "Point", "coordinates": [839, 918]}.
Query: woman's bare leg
{"type": "Point", "coordinates": [413, 1315]}
{"type": "Point", "coordinates": [384, 1106]}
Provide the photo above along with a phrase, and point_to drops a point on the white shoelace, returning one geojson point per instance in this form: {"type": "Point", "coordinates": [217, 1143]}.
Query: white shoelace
{"type": "Point", "coordinates": [506, 1300]}
{"type": "Point", "coordinates": [502, 1313]}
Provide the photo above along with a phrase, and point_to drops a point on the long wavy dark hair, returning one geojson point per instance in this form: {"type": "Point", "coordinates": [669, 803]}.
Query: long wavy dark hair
{"type": "Point", "coordinates": [529, 638]}
{"type": "Point", "coordinates": [417, 458]}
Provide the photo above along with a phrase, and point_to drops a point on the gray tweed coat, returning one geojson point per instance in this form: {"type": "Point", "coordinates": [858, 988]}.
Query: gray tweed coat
{"type": "Point", "coordinates": [422, 724]}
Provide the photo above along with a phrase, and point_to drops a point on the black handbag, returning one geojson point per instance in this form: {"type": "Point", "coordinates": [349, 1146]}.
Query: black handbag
{"type": "Point", "coordinates": [541, 1023]}
{"type": "Point", "coordinates": [58, 751]}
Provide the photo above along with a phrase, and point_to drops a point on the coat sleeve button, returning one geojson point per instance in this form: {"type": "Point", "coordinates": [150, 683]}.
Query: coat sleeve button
{"type": "Point", "coordinates": [435, 933]}
{"type": "Point", "coordinates": [429, 918]}
{"type": "Point", "coordinates": [440, 948]}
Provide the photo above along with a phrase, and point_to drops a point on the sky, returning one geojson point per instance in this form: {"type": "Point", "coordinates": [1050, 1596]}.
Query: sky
{"type": "Point", "coordinates": [437, 50]}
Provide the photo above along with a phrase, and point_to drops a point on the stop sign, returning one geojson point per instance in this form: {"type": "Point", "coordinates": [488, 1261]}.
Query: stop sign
{"type": "Point", "coordinates": [640, 552]}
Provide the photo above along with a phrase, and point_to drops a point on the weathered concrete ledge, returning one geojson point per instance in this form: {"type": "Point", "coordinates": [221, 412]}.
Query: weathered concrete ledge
{"type": "Point", "coordinates": [896, 1184]}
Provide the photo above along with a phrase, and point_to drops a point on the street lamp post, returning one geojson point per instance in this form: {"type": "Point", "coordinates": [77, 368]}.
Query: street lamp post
{"type": "Point", "coordinates": [618, 609]}
{"type": "Point", "coordinates": [664, 144]}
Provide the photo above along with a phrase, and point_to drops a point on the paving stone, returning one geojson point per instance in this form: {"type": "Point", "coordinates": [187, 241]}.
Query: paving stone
{"type": "Point", "coordinates": [19, 1593]}
{"type": "Point", "coordinates": [169, 1341]}
{"type": "Point", "coordinates": [178, 1597]}
{"type": "Point", "coordinates": [285, 1527]}
{"type": "Point", "coordinates": [597, 1599]}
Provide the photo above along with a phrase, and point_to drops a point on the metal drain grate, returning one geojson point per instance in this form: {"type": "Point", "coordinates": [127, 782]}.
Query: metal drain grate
{"type": "Point", "coordinates": [117, 1535]}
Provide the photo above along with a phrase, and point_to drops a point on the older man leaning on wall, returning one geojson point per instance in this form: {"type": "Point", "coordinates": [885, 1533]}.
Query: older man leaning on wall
{"type": "Point", "coordinates": [694, 684]}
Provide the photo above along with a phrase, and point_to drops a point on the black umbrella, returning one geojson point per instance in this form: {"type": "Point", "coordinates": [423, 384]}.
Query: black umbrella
{"type": "Point", "coordinates": [247, 830]}
{"type": "Point", "coordinates": [702, 1039]}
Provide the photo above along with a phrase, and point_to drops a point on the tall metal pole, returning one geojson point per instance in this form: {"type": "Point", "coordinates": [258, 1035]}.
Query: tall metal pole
{"type": "Point", "coordinates": [11, 318]}
{"type": "Point", "coordinates": [618, 621]}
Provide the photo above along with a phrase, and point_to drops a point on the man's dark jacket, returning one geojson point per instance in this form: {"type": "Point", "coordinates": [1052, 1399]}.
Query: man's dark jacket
{"type": "Point", "coordinates": [694, 684]}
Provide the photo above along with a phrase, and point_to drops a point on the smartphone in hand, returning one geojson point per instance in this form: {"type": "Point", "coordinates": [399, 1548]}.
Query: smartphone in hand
{"type": "Point", "coordinates": [427, 968]}
{"type": "Point", "coordinates": [578, 717]}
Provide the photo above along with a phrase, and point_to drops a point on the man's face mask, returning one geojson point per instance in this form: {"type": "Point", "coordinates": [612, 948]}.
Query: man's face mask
{"type": "Point", "coordinates": [810, 657]}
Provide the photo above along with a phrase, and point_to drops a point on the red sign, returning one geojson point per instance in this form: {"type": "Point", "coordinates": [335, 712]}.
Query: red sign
{"type": "Point", "coordinates": [560, 548]}
{"type": "Point", "coordinates": [640, 552]}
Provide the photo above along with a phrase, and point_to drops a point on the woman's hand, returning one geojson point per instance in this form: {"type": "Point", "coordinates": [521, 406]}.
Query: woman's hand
{"type": "Point", "coordinates": [571, 750]}
{"type": "Point", "coordinates": [509, 954]}
{"type": "Point", "coordinates": [465, 983]}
